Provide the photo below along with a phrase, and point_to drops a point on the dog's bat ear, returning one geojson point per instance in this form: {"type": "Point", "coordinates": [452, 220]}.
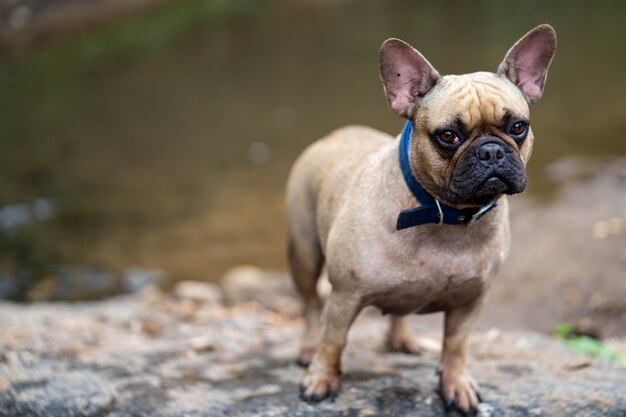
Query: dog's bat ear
{"type": "Point", "coordinates": [526, 64]}
{"type": "Point", "coordinates": [406, 75]}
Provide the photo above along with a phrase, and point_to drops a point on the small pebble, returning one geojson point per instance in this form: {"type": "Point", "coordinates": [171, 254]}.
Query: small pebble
{"type": "Point", "coordinates": [484, 410]}
{"type": "Point", "coordinates": [201, 344]}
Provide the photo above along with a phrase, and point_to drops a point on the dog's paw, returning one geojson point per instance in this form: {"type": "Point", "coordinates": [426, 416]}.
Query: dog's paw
{"type": "Point", "coordinates": [404, 344]}
{"type": "Point", "coordinates": [459, 390]}
{"type": "Point", "coordinates": [316, 387]}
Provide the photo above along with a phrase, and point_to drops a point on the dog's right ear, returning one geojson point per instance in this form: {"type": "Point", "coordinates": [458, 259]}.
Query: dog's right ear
{"type": "Point", "coordinates": [406, 75]}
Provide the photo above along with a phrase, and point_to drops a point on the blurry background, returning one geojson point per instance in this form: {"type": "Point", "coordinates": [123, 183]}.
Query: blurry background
{"type": "Point", "coordinates": [152, 138]}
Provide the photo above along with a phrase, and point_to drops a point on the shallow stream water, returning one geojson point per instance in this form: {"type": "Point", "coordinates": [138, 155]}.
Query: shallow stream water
{"type": "Point", "coordinates": [173, 153]}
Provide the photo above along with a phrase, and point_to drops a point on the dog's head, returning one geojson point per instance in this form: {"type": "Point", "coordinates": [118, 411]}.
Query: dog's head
{"type": "Point", "coordinates": [471, 133]}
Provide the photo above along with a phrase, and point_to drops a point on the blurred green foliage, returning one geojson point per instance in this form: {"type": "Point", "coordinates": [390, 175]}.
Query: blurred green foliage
{"type": "Point", "coordinates": [585, 345]}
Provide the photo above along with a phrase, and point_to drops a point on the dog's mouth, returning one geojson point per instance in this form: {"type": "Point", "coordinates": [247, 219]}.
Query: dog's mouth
{"type": "Point", "coordinates": [479, 185]}
{"type": "Point", "coordinates": [494, 185]}
{"type": "Point", "coordinates": [490, 189]}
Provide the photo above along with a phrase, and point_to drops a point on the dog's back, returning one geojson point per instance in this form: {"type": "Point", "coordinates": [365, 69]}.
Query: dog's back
{"type": "Point", "coordinates": [321, 174]}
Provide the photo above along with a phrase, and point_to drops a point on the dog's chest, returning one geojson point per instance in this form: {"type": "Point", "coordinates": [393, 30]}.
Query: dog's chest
{"type": "Point", "coordinates": [430, 275]}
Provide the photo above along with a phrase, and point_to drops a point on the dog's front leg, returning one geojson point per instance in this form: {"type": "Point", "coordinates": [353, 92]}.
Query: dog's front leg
{"type": "Point", "coordinates": [322, 377]}
{"type": "Point", "coordinates": [457, 386]}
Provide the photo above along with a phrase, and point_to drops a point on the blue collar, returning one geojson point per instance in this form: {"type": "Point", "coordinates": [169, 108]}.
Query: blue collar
{"type": "Point", "coordinates": [430, 210]}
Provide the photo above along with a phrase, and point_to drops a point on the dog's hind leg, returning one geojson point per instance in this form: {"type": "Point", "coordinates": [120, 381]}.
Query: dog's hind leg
{"type": "Point", "coordinates": [399, 338]}
{"type": "Point", "coordinates": [305, 263]}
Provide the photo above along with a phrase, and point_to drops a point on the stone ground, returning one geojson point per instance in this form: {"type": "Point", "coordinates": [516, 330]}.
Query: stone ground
{"type": "Point", "coordinates": [153, 354]}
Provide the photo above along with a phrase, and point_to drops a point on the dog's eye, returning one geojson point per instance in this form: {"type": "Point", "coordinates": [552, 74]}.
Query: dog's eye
{"type": "Point", "coordinates": [518, 130]}
{"type": "Point", "coordinates": [448, 137]}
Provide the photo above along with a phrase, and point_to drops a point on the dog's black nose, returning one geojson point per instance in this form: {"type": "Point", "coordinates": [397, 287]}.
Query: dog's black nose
{"type": "Point", "coordinates": [490, 152]}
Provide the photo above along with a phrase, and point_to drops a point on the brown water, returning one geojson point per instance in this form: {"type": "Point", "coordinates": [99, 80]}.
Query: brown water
{"type": "Point", "coordinates": [176, 158]}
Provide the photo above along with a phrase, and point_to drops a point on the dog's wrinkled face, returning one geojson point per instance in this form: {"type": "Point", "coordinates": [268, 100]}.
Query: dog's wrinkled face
{"type": "Point", "coordinates": [471, 133]}
{"type": "Point", "coordinates": [472, 137]}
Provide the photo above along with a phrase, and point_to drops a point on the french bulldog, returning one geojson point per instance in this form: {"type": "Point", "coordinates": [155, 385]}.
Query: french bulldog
{"type": "Point", "coordinates": [419, 223]}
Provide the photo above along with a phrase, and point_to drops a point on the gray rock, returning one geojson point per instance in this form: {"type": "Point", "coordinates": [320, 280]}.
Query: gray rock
{"type": "Point", "coordinates": [80, 282]}
{"type": "Point", "coordinates": [14, 216]}
{"type": "Point", "coordinates": [44, 208]}
{"type": "Point", "coordinates": [43, 392]}
{"type": "Point", "coordinates": [104, 358]}
{"type": "Point", "coordinates": [204, 292]}
{"type": "Point", "coordinates": [8, 286]}
{"type": "Point", "coordinates": [136, 278]}
{"type": "Point", "coordinates": [272, 290]}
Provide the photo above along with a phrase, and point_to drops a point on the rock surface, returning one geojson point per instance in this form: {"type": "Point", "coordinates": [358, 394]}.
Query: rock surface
{"type": "Point", "coordinates": [272, 290]}
{"type": "Point", "coordinates": [150, 354]}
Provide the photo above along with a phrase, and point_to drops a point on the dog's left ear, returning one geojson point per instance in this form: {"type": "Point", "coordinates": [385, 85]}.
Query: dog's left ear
{"type": "Point", "coordinates": [527, 62]}
{"type": "Point", "coordinates": [406, 75]}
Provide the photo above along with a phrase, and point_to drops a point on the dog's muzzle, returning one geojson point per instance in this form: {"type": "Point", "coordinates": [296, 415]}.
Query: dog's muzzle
{"type": "Point", "coordinates": [487, 169]}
